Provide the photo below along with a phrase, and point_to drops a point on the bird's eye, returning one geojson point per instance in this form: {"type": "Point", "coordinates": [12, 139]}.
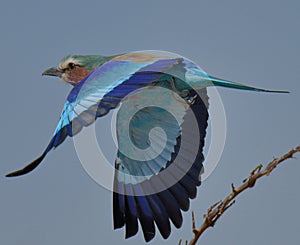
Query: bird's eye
{"type": "Point", "coordinates": [71, 66]}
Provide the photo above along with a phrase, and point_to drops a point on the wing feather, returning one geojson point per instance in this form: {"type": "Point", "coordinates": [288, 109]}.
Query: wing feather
{"type": "Point", "coordinates": [165, 202]}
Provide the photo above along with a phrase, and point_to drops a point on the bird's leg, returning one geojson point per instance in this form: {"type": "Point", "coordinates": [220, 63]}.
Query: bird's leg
{"type": "Point", "coordinates": [191, 100]}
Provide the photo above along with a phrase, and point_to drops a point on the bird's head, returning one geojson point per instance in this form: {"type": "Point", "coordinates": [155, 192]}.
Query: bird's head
{"type": "Point", "coordinates": [73, 68]}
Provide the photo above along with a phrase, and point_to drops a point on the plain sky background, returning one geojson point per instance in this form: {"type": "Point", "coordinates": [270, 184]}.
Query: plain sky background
{"type": "Point", "coordinates": [253, 42]}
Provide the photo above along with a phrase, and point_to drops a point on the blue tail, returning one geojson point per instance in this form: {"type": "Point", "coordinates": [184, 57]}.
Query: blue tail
{"type": "Point", "coordinates": [229, 84]}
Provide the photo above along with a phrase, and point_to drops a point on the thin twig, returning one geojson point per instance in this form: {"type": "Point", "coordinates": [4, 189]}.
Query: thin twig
{"type": "Point", "coordinates": [215, 211]}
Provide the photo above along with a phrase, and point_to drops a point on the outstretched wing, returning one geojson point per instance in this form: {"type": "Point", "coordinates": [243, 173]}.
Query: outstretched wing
{"type": "Point", "coordinates": [102, 90]}
{"type": "Point", "coordinates": [155, 182]}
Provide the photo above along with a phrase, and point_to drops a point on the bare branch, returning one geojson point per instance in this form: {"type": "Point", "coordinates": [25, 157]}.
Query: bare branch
{"type": "Point", "coordinates": [193, 221]}
{"type": "Point", "coordinates": [215, 211]}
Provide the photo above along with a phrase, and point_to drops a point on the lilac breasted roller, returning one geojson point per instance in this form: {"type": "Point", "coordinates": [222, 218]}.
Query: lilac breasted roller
{"type": "Point", "coordinates": [144, 192]}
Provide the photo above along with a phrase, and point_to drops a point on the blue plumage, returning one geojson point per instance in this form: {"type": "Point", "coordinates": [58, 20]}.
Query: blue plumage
{"type": "Point", "coordinates": [142, 190]}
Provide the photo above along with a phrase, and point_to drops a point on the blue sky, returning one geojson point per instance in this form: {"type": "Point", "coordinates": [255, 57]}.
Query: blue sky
{"type": "Point", "coordinates": [256, 43]}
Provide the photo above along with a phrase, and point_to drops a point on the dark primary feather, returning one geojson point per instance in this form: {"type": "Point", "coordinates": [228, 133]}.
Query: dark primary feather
{"type": "Point", "coordinates": [28, 167]}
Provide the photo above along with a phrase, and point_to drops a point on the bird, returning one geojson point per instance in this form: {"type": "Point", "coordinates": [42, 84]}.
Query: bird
{"type": "Point", "coordinates": [149, 190]}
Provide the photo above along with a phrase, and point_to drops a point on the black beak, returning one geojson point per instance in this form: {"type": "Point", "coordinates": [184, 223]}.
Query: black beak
{"type": "Point", "coordinates": [53, 71]}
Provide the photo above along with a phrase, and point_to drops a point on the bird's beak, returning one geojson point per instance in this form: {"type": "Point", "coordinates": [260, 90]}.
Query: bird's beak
{"type": "Point", "coordinates": [53, 71]}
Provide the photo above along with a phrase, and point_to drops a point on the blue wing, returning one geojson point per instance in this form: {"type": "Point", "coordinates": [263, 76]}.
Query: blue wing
{"type": "Point", "coordinates": [99, 92]}
{"type": "Point", "coordinates": [154, 190]}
